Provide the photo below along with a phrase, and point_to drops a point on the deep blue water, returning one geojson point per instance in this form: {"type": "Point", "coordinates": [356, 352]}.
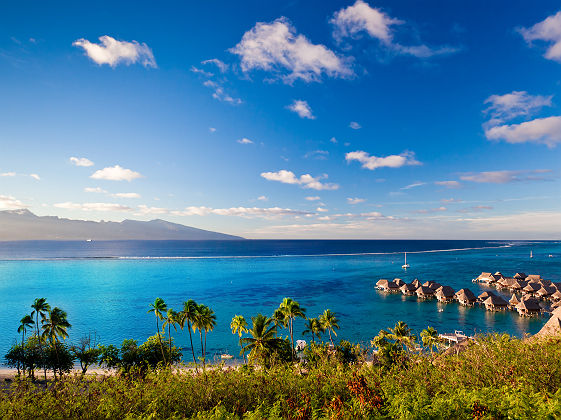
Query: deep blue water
{"type": "Point", "coordinates": [106, 287]}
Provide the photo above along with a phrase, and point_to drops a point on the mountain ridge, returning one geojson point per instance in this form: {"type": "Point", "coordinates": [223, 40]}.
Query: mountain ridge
{"type": "Point", "coordinates": [22, 224]}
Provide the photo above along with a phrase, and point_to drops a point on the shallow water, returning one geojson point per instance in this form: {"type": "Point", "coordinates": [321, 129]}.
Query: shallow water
{"type": "Point", "coordinates": [110, 296]}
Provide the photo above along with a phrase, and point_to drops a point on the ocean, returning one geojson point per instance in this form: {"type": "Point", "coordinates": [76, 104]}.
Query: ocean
{"type": "Point", "coordinates": [107, 287]}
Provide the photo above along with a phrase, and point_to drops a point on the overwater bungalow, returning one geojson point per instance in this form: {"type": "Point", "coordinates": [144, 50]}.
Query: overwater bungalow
{"type": "Point", "coordinates": [528, 307]}
{"type": "Point", "coordinates": [520, 276]}
{"type": "Point", "coordinates": [556, 296]}
{"type": "Point", "coordinates": [485, 278]}
{"type": "Point", "coordinates": [545, 292]}
{"type": "Point", "coordinates": [432, 284]}
{"type": "Point", "coordinates": [485, 295]}
{"type": "Point", "coordinates": [556, 304]}
{"type": "Point", "coordinates": [517, 285]}
{"type": "Point", "coordinates": [531, 288]}
{"type": "Point", "coordinates": [495, 303]}
{"type": "Point", "coordinates": [399, 282]}
{"type": "Point", "coordinates": [424, 292]}
{"type": "Point", "coordinates": [408, 289]}
{"type": "Point", "coordinates": [416, 283]}
{"type": "Point", "coordinates": [445, 294]}
{"type": "Point", "coordinates": [465, 297]}
{"type": "Point", "coordinates": [513, 301]}
{"type": "Point", "coordinates": [533, 277]}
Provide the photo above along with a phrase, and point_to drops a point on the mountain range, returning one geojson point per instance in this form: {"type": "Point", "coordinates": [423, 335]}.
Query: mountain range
{"type": "Point", "coordinates": [18, 225]}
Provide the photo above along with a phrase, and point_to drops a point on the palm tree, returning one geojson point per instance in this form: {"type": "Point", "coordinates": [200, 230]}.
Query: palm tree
{"type": "Point", "coordinates": [291, 310]}
{"type": "Point", "coordinates": [171, 320]}
{"type": "Point", "coordinates": [40, 309]}
{"type": "Point", "coordinates": [431, 338]}
{"type": "Point", "coordinates": [279, 319]}
{"type": "Point", "coordinates": [239, 326]}
{"type": "Point", "coordinates": [401, 333]}
{"type": "Point", "coordinates": [25, 323]}
{"type": "Point", "coordinates": [329, 322]}
{"type": "Point", "coordinates": [206, 320]}
{"type": "Point", "coordinates": [55, 326]}
{"type": "Point", "coordinates": [314, 327]}
{"type": "Point", "coordinates": [263, 338]}
{"type": "Point", "coordinates": [188, 314]}
{"type": "Point", "coordinates": [159, 307]}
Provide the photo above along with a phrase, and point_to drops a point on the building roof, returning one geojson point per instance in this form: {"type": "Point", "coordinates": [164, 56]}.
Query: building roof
{"type": "Point", "coordinates": [465, 294]}
{"type": "Point", "coordinates": [484, 276]}
{"type": "Point", "coordinates": [399, 282]}
{"type": "Point", "coordinates": [532, 287]}
{"type": "Point", "coordinates": [494, 300]}
{"type": "Point", "coordinates": [408, 287]}
{"type": "Point", "coordinates": [552, 327]}
{"type": "Point", "coordinates": [530, 305]}
{"type": "Point", "coordinates": [485, 295]}
{"type": "Point", "coordinates": [382, 283]}
{"type": "Point", "coordinates": [521, 276]}
{"type": "Point", "coordinates": [424, 290]}
{"type": "Point", "coordinates": [445, 291]}
{"type": "Point", "coordinates": [514, 300]}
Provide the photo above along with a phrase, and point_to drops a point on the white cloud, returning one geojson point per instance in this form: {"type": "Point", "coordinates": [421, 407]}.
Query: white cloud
{"type": "Point", "coordinates": [246, 212]}
{"type": "Point", "coordinates": [145, 210]}
{"type": "Point", "coordinates": [126, 195]}
{"type": "Point", "coordinates": [317, 154]}
{"type": "Point", "coordinates": [514, 104]}
{"type": "Point", "coordinates": [414, 185]}
{"type": "Point", "coordinates": [81, 161]}
{"type": "Point", "coordinates": [313, 198]}
{"type": "Point", "coordinates": [354, 125]}
{"type": "Point", "coordinates": [93, 206]}
{"type": "Point", "coordinates": [220, 94]}
{"type": "Point", "coordinates": [35, 176]}
{"type": "Point", "coordinates": [321, 210]}
{"type": "Point", "coordinates": [305, 181]}
{"type": "Point", "coordinates": [10, 174]}
{"type": "Point", "coordinates": [503, 177]}
{"type": "Point", "coordinates": [448, 184]}
{"type": "Point", "coordinates": [112, 52]}
{"type": "Point", "coordinates": [263, 198]}
{"type": "Point", "coordinates": [7, 202]}
{"type": "Point", "coordinates": [218, 63]}
{"type": "Point", "coordinates": [374, 162]}
{"type": "Point", "coordinates": [244, 141]}
{"type": "Point", "coordinates": [212, 129]}
{"type": "Point", "coordinates": [276, 47]}
{"type": "Point", "coordinates": [201, 72]}
{"type": "Point", "coordinates": [116, 173]}
{"type": "Point", "coordinates": [95, 190]}
{"type": "Point", "coordinates": [427, 211]}
{"type": "Point", "coordinates": [302, 109]}
{"type": "Point", "coordinates": [549, 31]}
{"type": "Point", "coordinates": [353, 201]}
{"type": "Point", "coordinates": [540, 130]}
{"type": "Point", "coordinates": [474, 209]}
{"type": "Point", "coordinates": [352, 21]}
{"type": "Point", "coordinates": [333, 140]}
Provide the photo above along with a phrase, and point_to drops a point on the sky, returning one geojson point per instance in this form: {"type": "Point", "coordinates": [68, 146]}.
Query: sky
{"type": "Point", "coordinates": [287, 119]}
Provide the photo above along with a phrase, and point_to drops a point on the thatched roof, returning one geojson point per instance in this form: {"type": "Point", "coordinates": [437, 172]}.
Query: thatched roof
{"type": "Point", "coordinates": [382, 283]}
{"type": "Point", "coordinates": [556, 304]}
{"type": "Point", "coordinates": [399, 282]}
{"type": "Point", "coordinates": [494, 300]}
{"type": "Point", "coordinates": [552, 327]}
{"type": "Point", "coordinates": [517, 284]}
{"type": "Point", "coordinates": [465, 295]}
{"type": "Point", "coordinates": [484, 276]}
{"type": "Point", "coordinates": [556, 295]}
{"type": "Point", "coordinates": [545, 291]}
{"type": "Point", "coordinates": [408, 287]}
{"type": "Point", "coordinates": [521, 276]}
{"type": "Point", "coordinates": [533, 277]}
{"type": "Point", "coordinates": [445, 291]}
{"type": "Point", "coordinates": [529, 305]}
{"type": "Point", "coordinates": [392, 285]}
{"type": "Point", "coordinates": [432, 284]}
{"type": "Point", "coordinates": [514, 300]}
{"type": "Point", "coordinates": [424, 291]}
{"type": "Point", "coordinates": [483, 296]}
{"type": "Point", "coordinates": [532, 287]}
{"type": "Point", "coordinates": [416, 283]}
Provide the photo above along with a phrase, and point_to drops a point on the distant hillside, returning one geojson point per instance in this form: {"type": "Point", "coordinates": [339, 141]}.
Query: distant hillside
{"type": "Point", "coordinates": [18, 225]}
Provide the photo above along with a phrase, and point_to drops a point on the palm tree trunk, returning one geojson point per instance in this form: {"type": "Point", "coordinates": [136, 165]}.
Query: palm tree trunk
{"type": "Point", "coordinates": [191, 339]}
{"type": "Point", "coordinates": [40, 345]}
{"type": "Point", "coordinates": [169, 335]}
{"type": "Point", "coordinates": [205, 343]}
{"type": "Point", "coordinates": [23, 350]}
{"type": "Point", "coordinates": [291, 339]}
{"type": "Point", "coordinates": [330, 339]}
{"type": "Point", "coordinates": [160, 340]}
{"type": "Point", "coordinates": [202, 348]}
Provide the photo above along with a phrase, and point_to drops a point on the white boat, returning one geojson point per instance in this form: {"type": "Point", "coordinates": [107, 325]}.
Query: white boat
{"type": "Point", "coordinates": [88, 240]}
{"type": "Point", "coordinates": [226, 356]}
{"type": "Point", "coordinates": [531, 255]}
{"type": "Point", "coordinates": [405, 265]}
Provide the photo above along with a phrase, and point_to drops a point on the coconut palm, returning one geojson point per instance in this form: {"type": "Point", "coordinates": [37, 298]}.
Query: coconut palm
{"type": "Point", "coordinates": [40, 309]}
{"type": "Point", "coordinates": [171, 320]}
{"type": "Point", "coordinates": [25, 323]}
{"type": "Point", "coordinates": [279, 319]}
{"type": "Point", "coordinates": [239, 326]}
{"type": "Point", "coordinates": [431, 339]}
{"type": "Point", "coordinates": [291, 310]}
{"type": "Point", "coordinates": [205, 320]}
{"type": "Point", "coordinates": [263, 338]}
{"type": "Point", "coordinates": [401, 333]}
{"type": "Point", "coordinates": [159, 307]}
{"type": "Point", "coordinates": [329, 322]}
{"type": "Point", "coordinates": [188, 314]}
{"type": "Point", "coordinates": [313, 327]}
{"type": "Point", "coordinates": [55, 326]}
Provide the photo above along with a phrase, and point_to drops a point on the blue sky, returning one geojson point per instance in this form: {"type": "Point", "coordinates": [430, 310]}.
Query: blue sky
{"type": "Point", "coordinates": [301, 119]}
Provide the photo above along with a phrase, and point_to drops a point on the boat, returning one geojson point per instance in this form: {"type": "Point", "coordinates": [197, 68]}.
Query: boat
{"type": "Point", "coordinates": [226, 356]}
{"type": "Point", "coordinates": [405, 265]}
{"type": "Point", "coordinates": [531, 255]}
{"type": "Point", "coordinates": [88, 240]}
